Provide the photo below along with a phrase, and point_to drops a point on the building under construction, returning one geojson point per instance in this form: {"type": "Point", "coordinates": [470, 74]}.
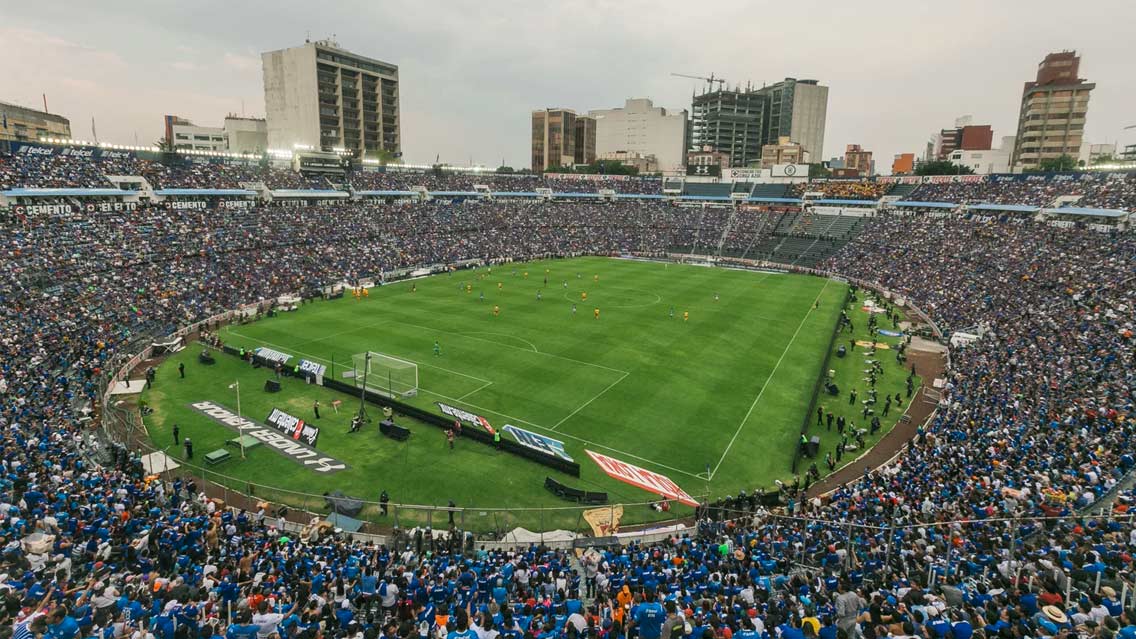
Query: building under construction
{"type": "Point", "coordinates": [740, 121]}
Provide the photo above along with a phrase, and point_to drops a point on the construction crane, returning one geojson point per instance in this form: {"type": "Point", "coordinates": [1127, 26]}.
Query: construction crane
{"type": "Point", "coordinates": [711, 80]}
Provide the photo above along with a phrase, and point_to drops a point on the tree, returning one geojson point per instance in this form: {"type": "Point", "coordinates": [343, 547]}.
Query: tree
{"type": "Point", "coordinates": [818, 170]}
{"type": "Point", "coordinates": [1065, 162]}
{"type": "Point", "coordinates": [1104, 159]}
{"type": "Point", "coordinates": [943, 167]}
{"type": "Point", "coordinates": [505, 169]}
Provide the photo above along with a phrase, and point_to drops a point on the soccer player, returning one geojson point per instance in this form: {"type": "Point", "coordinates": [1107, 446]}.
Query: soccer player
{"type": "Point", "coordinates": [685, 315]}
{"type": "Point", "coordinates": [565, 284]}
{"type": "Point", "coordinates": [414, 287]}
{"type": "Point", "coordinates": [437, 348]}
{"type": "Point", "coordinates": [573, 313]}
{"type": "Point", "coordinates": [499, 286]}
{"type": "Point", "coordinates": [526, 275]}
{"type": "Point", "coordinates": [468, 288]}
{"type": "Point", "coordinates": [596, 312]}
{"type": "Point", "coordinates": [596, 278]}
{"type": "Point", "coordinates": [672, 312]}
{"type": "Point", "coordinates": [481, 297]}
{"type": "Point", "coordinates": [583, 296]}
{"type": "Point", "coordinates": [538, 297]}
{"type": "Point", "coordinates": [715, 297]}
{"type": "Point", "coordinates": [366, 292]}
{"type": "Point", "coordinates": [496, 310]}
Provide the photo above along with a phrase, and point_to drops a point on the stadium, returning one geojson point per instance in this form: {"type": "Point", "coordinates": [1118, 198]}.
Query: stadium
{"type": "Point", "coordinates": [256, 395]}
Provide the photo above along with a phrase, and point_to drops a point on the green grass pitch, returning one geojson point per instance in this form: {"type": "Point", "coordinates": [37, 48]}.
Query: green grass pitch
{"type": "Point", "coordinates": [725, 389]}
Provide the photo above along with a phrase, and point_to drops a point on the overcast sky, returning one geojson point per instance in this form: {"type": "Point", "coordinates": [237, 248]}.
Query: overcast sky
{"type": "Point", "coordinates": [471, 72]}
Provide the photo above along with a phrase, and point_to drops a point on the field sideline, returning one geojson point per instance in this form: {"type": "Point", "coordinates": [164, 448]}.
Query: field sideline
{"type": "Point", "coordinates": [723, 392]}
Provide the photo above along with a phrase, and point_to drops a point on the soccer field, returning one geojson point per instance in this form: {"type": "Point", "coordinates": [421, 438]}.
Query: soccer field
{"type": "Point", "coordinates": [723, 391]}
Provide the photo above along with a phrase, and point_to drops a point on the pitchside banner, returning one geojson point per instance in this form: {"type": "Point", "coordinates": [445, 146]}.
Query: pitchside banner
{"type": "Point", "coordinates": [293, 427]}
{"type": "Point", "coordinates": [529, 439]}
{"type": "Point", "coordinates": [273, 355]}
{"type": "Point", "coordinates": [465, 416]}
{"type": "Point", "coordinates": [642, 478]}
{"type": "Point", "coordinates": [295, 449]}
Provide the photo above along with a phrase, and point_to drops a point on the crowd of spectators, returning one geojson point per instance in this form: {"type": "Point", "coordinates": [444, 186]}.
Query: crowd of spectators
{"type": "Point", "coordinates": [1035, 420]}
{"type": "Point", "coordinates": [198, 173]}
{"type": "Point", "coordinates": [1103, 190]}
{"type": "Point", "coordinates": [842, 189]}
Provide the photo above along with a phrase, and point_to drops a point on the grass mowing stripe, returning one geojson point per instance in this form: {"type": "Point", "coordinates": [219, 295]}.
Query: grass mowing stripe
{"type": "Point", "coordinates": [767, 380]}
{"type": "Point", "coordinates": [510, 417]}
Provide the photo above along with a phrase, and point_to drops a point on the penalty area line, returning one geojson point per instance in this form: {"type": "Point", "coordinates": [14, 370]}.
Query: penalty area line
{"type": "Point", "coordinates": [325, 360]}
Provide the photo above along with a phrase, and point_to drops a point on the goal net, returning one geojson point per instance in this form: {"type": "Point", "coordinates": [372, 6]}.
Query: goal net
{"type": "Point", "coordinates": [385, 374]}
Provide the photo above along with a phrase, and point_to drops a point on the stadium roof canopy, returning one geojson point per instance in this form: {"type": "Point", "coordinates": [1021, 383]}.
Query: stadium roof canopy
{"type": "Point", "coordinates": [930, 205]}
{"type": "Point", "coordinates": [403, 193]}
{"type": "Point", "coordinates": [1016, 208]}
{"type": "Point", "coordinates": [1077, 210]}
{"type": "Point", "coordinates": [846, 202]}
{"type": "Point", "coordinates": [640, 196]}
{"type": "Point", "coordinates": [65, 192]}
{"type": "Point", "coordinates": [775, 200]}
{"type": "Point", "coordinates": [309, 193]}
{"type": "Point", "coordinates": [583, 195]}
{"type": "Point", "coordinates": [167, 192]}
{"type": "Point", "coordinates": [710, 198]}
{"type": "Point", "coordinates": [516, 193]}
{"type": "Point", "coordinates": [454, 193]}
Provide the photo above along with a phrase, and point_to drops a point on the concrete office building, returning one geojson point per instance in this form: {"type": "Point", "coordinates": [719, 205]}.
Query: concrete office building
{"type": "Point", "coordinates": [639, 129]}
{"type": "Point", "coordinates": [561, 138]}
{"type": "Point", "coordinates": [785, 151]}
{"type": "Point", "coordinates": [1051, 120]}
{"type": "Point", "coordinates": [742, 121]}
{"type": "Point", "coordinates": [21, 124]}
{"type": "Point", "coordinates": [985, 161]}
{"type": "Point", "coordinates": [238, 135]}
{"type": "Point", "coordinates": [321, 97]}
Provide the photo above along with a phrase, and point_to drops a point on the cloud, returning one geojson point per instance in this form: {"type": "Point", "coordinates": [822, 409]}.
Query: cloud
{"type": "Point", "coordinates": [242, 62]}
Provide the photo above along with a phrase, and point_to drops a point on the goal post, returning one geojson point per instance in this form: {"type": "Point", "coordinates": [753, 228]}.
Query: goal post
{"type": "Point", "coordinates": [384, 373]}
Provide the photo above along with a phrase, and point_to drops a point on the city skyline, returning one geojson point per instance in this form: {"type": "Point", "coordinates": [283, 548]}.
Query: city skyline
{"type": "Point", "coordinates": [468, 93]}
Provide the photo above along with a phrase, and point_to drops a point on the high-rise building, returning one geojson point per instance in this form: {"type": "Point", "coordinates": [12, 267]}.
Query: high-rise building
{"type": "Point", "coordinates": [798, 109]}
{"type": "Point", "coordinates": [640, 129]}
{"type": "Point", "coordinates": [560, 138]}
{"type": "Point", "coordinates": [858, 159]}
{"type": "Point", "coordinates": [731, 122]}
{"type": "Point", "coordinates": [585, 151]}
{"type": "Point", "coordinates": [21, 124]}
{"type": "Point", "coordinates": [321, 97]}
{"type": "Point", "coordinates": [1051, 120]}
{"type": "Point", "coordinates": [742, 121]}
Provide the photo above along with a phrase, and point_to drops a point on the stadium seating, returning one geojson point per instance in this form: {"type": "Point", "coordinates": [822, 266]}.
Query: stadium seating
{"type": "Point", "coordinates": [984, 525]}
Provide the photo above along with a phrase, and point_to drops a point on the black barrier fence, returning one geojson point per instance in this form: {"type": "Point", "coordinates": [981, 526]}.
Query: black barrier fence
{"type": "Point", "coordinates": [552, 461]}
{"type": "Point", "coordinates": [821, 375]}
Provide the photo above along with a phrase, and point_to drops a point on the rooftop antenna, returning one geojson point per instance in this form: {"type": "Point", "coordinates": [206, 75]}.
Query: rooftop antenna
{"type": "Point", "coordinates": [307, 36]}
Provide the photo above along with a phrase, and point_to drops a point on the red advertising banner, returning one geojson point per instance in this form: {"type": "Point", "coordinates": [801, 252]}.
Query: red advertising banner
{"type": "Point", "coordinates": [642, 478]}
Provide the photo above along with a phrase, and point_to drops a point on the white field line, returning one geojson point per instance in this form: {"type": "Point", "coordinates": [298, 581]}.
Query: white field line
{"type": "Point", "coordinates": [772, 374]}
{"type": "Point", "coordinates": [479, 388]}
{"type": "Point", "coordinates": [585, 404]}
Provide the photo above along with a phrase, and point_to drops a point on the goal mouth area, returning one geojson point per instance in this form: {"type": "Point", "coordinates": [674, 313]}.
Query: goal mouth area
{"type": "Point", "coordinates": [385, 374]}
